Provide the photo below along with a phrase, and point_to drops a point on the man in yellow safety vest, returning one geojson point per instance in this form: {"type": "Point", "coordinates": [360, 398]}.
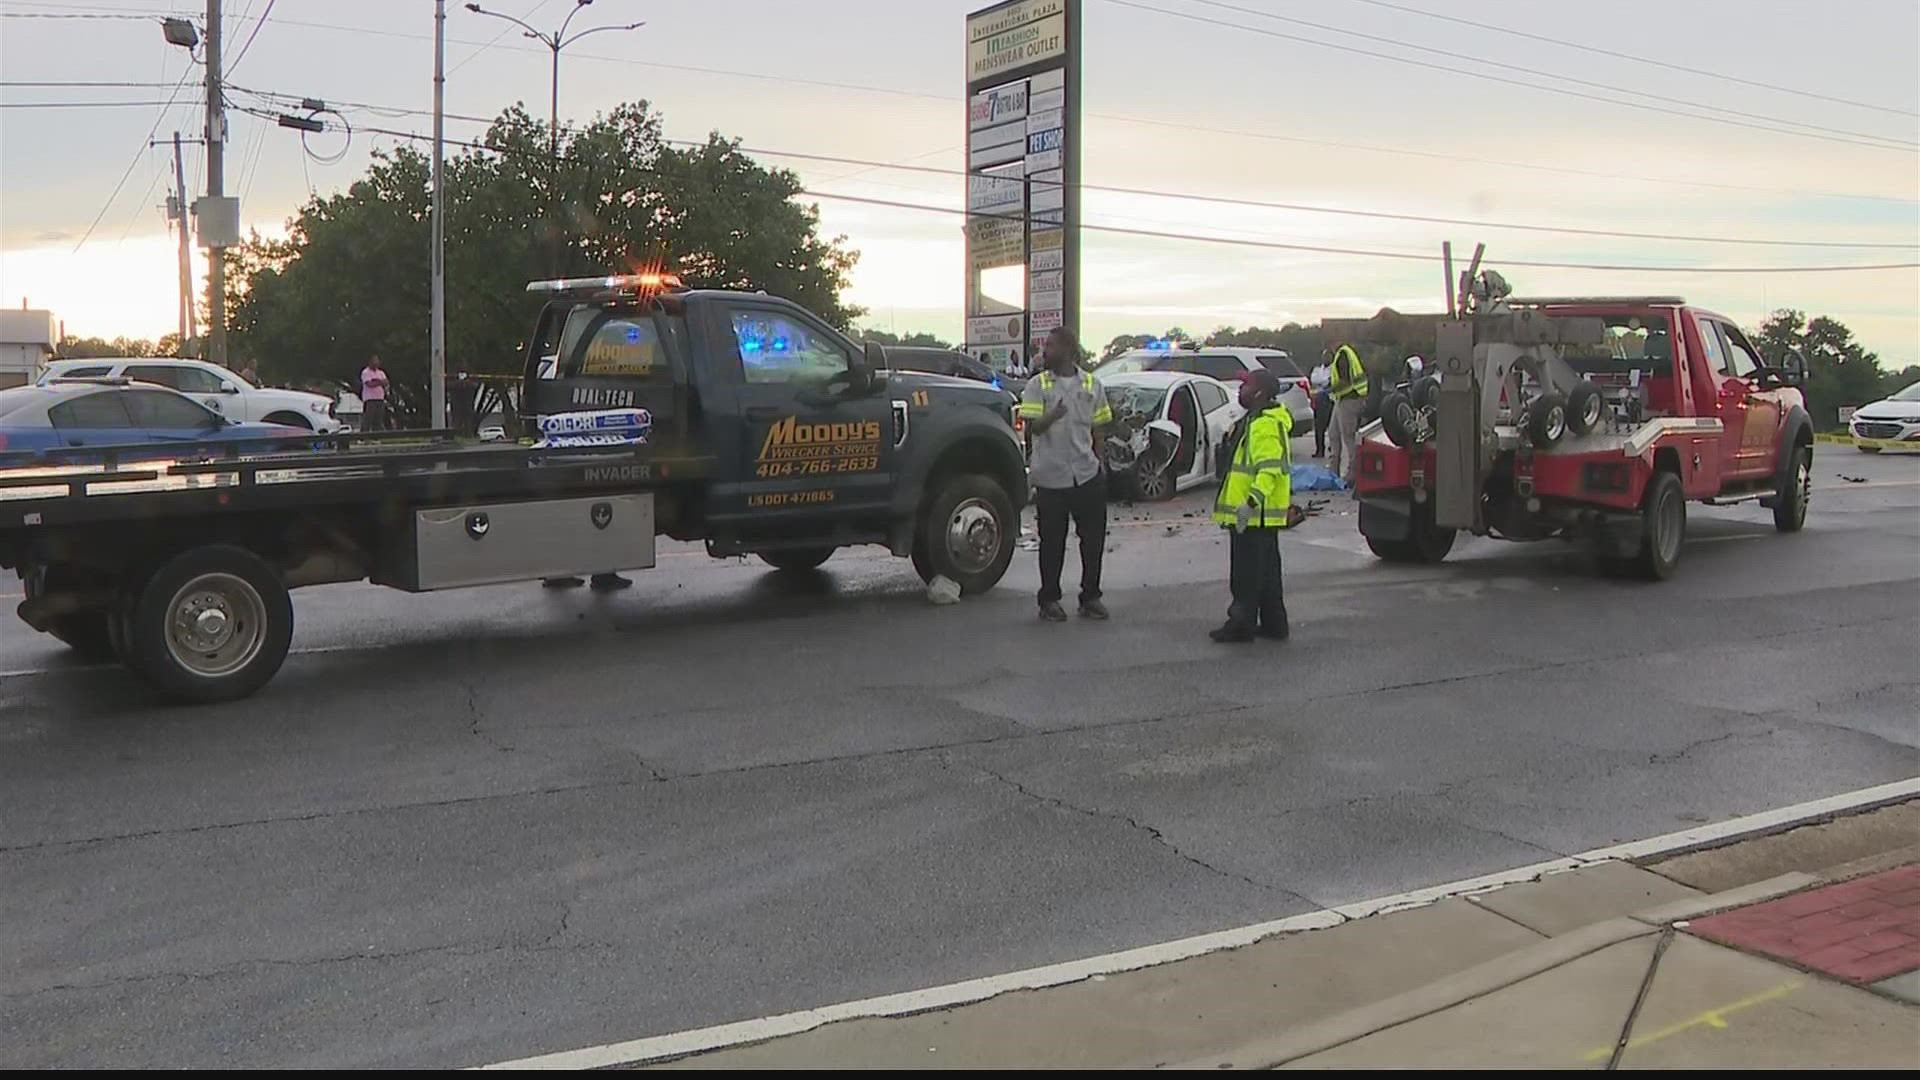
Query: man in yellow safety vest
{"type": "Point", "coordinates": [1256, 496]}
{"type": "Point", "coordinates": [1349, 391]}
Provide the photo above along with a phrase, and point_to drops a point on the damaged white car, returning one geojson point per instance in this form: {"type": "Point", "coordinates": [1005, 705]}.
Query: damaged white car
{"type": "Point", "coordinates": [1168, 433]}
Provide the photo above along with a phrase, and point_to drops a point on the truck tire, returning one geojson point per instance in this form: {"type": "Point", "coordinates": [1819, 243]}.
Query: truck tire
{"type": "Point", "coordinates": [967, 534]}
{"type": "Point", "coordinates": [1547, 419]}
{"type": "Point", "coordinates": [1401, 419]}
{"type": "Point", "coordinates": [1426, 543]}
{"type": "Point", "coordinates": [86, 633]}
{"type": "Point", "coordinates": [211, 624]}
{"type": "Point", "coordinates": [797, 558]}
{"type": "Point", "coordinates": [1796, 487]}
{"type": "Point", "coordinates": [1663, 521]}
{"type": "Point", "coordinates": [1585, 407]}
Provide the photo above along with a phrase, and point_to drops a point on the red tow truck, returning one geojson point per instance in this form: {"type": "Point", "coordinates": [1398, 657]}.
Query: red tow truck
{"type": "Point", "coordinates": [1582, 418]}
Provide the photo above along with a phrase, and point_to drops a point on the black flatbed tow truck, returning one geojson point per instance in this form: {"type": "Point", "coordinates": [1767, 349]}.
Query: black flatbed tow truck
{"type": "Point", "coordinates": [743, 421]}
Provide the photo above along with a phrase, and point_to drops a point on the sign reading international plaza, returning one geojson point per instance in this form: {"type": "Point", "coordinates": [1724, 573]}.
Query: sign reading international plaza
{"type": "Point", "coordinates": [1023, 183]}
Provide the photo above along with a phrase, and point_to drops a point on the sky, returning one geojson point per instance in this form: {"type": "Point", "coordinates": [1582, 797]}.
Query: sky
{"type": "Point", "coordinates": [1172, 103]}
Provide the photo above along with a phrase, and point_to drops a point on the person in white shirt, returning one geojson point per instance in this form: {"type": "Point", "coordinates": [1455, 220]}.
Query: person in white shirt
{"type": "Point", "coordinates": [1321, 380]}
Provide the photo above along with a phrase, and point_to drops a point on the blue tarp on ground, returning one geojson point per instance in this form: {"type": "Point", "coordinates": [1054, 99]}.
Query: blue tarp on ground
{"type": "Point", "coordinates": [1310, 477]}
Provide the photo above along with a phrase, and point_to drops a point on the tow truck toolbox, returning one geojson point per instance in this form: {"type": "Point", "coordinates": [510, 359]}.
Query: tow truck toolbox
{"type": "Point", "coordinates": [1593, 418]}
{"type": "Point", "coordinates": [737, 419]}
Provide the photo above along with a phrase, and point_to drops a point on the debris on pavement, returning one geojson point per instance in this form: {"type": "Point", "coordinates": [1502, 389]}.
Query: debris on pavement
{"type": "Point", "coordinates": [1852, 479]}
{"type": "Point", "coordinates": [943, 590]}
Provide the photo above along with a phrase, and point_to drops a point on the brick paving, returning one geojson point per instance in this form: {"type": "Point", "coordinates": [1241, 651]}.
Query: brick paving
{"type": "Point", "coordinates": [1863, 930]}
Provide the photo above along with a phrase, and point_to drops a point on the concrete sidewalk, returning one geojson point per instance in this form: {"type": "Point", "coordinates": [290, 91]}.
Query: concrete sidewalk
{"type": "Point", "coordinates": [1793, 950]}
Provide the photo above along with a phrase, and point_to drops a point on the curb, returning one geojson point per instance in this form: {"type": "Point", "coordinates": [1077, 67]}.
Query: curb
{"type": "Point", "coordinates": [1493, 975]}
{"type": "Point", "coordinates": [704, 1040]}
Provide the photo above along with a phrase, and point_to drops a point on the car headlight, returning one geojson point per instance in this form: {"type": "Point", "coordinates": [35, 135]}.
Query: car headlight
{"type": "Point", "coordinates": [319, 408]}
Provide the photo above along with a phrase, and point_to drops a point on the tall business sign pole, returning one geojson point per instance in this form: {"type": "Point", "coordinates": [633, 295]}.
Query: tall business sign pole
{"type": "Point", "coordinates": [1023, 178]}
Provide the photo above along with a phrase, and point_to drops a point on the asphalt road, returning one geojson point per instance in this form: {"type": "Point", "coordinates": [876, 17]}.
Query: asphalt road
{"type": "Point", "coordinates": [469, 827]}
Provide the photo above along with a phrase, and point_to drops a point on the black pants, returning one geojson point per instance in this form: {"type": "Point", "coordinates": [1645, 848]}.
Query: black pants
{"type": "Point", "coordinates": [1087, 506]}
{"type": "Point", "coordinates": [373, 415]}
{"type": "Point", "coordinates": [1322, 416]}
{"type": "Point", "coordinates": [1258, 602]}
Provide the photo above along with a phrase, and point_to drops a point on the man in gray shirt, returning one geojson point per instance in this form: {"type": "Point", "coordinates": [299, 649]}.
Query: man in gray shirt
{"type": "Point", "coordinates": [1062, 406]}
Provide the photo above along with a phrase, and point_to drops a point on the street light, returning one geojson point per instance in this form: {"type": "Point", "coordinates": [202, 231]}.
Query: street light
{"type": "Point", "coordinates": [556, 43]}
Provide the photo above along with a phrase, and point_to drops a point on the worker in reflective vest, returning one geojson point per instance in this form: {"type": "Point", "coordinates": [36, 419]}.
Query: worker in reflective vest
{"type": "Point", "coordinates": [1255, 500]}
{"type": "Point", "coordinates": [1349, 390]}
{"type": "Point", "coordinates": [1063, 408]}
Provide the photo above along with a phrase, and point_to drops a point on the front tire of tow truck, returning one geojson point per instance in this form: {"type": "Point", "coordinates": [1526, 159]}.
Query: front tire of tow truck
{"type": "Point", "coordinates": [211, 624]}
{"type": "Point", "coordinates": [1796, 488]}
{"type": "Point", "coordinates": [797, 558]}
{"type": "Point", "coordinates": [967, 534]}
{"type": "Point", "coordinates": [1663, 520]}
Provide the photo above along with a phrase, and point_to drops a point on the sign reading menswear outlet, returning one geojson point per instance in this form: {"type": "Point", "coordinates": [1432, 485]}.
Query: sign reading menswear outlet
{"type": "Point", "coordinates": [1023, 182]}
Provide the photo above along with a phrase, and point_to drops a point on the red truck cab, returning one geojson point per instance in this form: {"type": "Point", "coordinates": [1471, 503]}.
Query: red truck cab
{"type": "Point", "coordinates": [1687, 411]}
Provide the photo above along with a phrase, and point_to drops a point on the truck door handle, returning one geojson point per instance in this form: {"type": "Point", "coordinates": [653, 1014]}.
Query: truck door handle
{"type": "Point", "coordinates": [763, 412]}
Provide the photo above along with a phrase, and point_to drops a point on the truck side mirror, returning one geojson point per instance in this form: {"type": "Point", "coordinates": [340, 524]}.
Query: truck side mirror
{"type": "Point", "coordinates": [1793, 368]}
{"type": "Point", "coordinates": [867, 370]}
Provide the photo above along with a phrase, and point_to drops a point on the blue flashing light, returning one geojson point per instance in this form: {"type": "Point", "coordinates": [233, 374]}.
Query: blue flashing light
{"type": "Point", "coordinates": [780, 344]}
{"type": "Point", "coordinates": [633, 335]}
{"type": "Point", "coordinates": [1159, 346]}
{"type": "Point", "coordinates": [749, 344]}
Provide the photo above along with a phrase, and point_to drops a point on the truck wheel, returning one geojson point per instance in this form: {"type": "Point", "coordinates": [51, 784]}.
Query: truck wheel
{"type": "Point", "coordinates": [212, 624]}
{"type": "Point", "coordinates": [1547, 419]}
{"type": "Point", "coordinates": [1401, 419]}
{"type": "Point", "coordinates": [1663, 519]}
{"type": "Point", "coordinates": [967, 534]}
{"type": "Point", "coordinates": [1584, 407]}
{"type": "Point", "coordinates": [87, 633]}
{"type": "Point", "coordinates": [1796, 487]}
{"type": "Point", "coordinates": [797, 558]}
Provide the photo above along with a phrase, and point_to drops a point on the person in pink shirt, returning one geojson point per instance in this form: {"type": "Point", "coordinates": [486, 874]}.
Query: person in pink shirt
{"type": "Point", "coordinates": [373, 395]}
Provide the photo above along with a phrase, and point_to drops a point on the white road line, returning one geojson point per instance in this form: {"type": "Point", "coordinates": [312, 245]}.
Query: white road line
{"type": "Point", "coordinates": [702, 1040]}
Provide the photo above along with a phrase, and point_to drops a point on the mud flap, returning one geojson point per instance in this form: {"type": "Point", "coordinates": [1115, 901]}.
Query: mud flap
{"type": "Point", "coordinates": [1386, 517]}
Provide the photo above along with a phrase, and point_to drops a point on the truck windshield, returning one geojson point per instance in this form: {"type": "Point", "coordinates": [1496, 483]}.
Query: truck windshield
{"type": "Point", "coordinates": [1632, 341]}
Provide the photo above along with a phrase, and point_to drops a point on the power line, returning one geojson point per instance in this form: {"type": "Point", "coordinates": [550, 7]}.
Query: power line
{"type": "Point", "coordinates": [1687, 67]}
{"type": "Point", "coordinates": [495, 40]}
{"type": "Point", "coordinates": [248, 44]}
{"type": "Point", "coordinates": [1374, 254]}
{"type": "Point", "coordinates": [1559, 76]}
{"type": "Point", "coordinates": [948, 100]}
{"type": "Point", "coordinates": [122, 182]}
{"type": "Point", "coordinates": [902, 166]}
{"type": "Point", "coordinates": [46, 83]}
{"type": "Point", "coordinates": [1484, 76]}
{"type": "Point", "coordinates": [81, 104]}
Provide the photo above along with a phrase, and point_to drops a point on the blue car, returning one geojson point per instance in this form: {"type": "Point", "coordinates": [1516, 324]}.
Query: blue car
{"type": "Point", "coordinates": [76, 415]}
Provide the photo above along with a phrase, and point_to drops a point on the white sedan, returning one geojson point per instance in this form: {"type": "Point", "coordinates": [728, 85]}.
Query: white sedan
{"type": "Point", "coordinates": [1168, 432]}
{"type": "Point", "coordinates": [219, 389]}
{"type": "Point", "coordinates": [1895, 418]}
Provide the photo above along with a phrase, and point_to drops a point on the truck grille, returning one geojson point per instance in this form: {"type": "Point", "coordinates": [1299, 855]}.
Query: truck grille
{"type": "Point", "coordinates": [1872, 430]}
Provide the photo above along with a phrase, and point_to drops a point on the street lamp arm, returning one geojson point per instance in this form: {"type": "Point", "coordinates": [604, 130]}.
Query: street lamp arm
{"type": "Point", "coordinates": [598, 29]}
{"type": "Point", "coordinates": [531, 32]}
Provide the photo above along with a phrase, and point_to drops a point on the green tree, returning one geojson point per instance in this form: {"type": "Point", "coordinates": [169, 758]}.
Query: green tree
{"type": "Point", "coordinates": [1839, 371]}
{"type": "Point", "coordinates": [86, 348]}
{"type": "Point", "coordinates": [351, 278]}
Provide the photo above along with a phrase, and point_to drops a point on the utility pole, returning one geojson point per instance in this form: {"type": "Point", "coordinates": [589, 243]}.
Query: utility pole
{"type": "Point", "coordinates": [216, 190]}
{"type": "Point", "coordinates": [437, 335]}
{"type": "Point", "coordinates": [178, 212]}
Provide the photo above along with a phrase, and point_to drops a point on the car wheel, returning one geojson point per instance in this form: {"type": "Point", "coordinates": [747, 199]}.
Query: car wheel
{"type": "Point", "coordinates": [1663, 520]}
{"type": "Point", "coordinates": [1425, 392]}
{"type": "Point", "coordinates": [211, 624]}
{"type": "Point", "coordinates": [1401, 419]}
{"type": "Point", "coordinates": [1585, 407]}
{"type": "Point", "coordinates": [1153, 481]}
{"type": "Point", "coordinates": [968, 534]}
{"type": "Point", "coordinates": [797, 558]}
{"type": "Point", "coordinates": [286, 419]}
{"type": "Point", "coordinates": [1796, 489]}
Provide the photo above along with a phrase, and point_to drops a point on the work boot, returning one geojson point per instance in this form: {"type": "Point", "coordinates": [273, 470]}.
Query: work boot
{"type": "Point", "coordinates": [1051, 611]}
{"type": "Point", "coordinates": [1095, 610]}
{"type": "Point", "coordinates": [610, 582]}
{"type": "Point", "coordinates": [1232, 634]}
{"type": "Point", "coordinates": [1271, 634]}
{"type": "Point", "coordinates": [568, 582]}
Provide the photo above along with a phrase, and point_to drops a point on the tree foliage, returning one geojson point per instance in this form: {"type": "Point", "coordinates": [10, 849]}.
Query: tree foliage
{"type": "Point", "coordinates": [1839, 370]}
{"type": "Point", "coordinates": [917, 340]}
{"type": "Point", "coordinates": [352, 276]}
